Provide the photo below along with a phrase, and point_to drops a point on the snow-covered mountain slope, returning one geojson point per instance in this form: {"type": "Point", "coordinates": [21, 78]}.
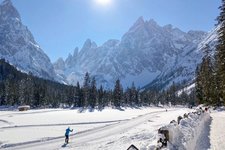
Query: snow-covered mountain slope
{"type": "Point", "coordinates": [146, 52]}
{"type": "Point", "coordinates": [18, 47]}
{"type": "Point", "coordinates": [187, 61]}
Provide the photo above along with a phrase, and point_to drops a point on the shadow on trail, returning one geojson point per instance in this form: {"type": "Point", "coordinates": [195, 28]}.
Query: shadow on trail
{"type": "Point", "coordinates": [64, 145]}
{"type": "Point", "coordinates": [203, 142]}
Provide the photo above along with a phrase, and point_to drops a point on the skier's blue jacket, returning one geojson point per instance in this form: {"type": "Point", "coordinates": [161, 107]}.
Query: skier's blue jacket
{"type": "Point", "coordinates": [68, 131]}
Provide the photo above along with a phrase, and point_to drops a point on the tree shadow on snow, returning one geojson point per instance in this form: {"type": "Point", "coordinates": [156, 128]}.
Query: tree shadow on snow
{"type": "Point", "coordinates": [91, 109]}
{"type": "Point", "coordinates": [120, 109]}
{"type": "Point", "coordinates": [220, 109]}
{"type": "Point", "coordinates": [81, 110]}
{"type": "Point", "coordinates": [135, 107]}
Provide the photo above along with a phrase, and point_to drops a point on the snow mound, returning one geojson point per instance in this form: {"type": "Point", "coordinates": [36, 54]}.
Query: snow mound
{"type": "Point", "coordinates": [187, 133]}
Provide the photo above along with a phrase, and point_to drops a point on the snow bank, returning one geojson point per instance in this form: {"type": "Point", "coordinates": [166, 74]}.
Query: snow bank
{"type": "Point", "coordinates": [186, 134]}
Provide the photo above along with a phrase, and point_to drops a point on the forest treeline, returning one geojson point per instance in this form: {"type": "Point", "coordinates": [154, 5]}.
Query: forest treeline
{"type": "Point", "coordinates": [17, 88]}
{"type": "Point", "coordinates": [210, 74]}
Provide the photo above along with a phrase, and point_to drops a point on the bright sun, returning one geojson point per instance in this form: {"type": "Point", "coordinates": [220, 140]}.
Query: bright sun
{"type": "Point", "coordinates": [103, 2]}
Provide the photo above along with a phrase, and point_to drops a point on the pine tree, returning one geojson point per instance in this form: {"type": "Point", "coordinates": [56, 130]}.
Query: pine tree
{"type": "Point", "coordinates": [134, 95]}
{"type": "Point", "coordinates": [172, 92]}
{"type": "Point", "coordinates": [117, 94]}
{"type": "Point", "coordinates": [93, 93]}
{"type": "Point", "coordinates": [2, 94]}
{"type": "Point", "coordinates": [206, 85]}
{"type": "Point", "coordinates": [127, 96]}
{"type": "Point", "coordinates": [86, 89]}
{"type": "Point", "coordinates": [36, 96]}
{"type": "Point", "coordinates": [220, 54]}
{"type": "Point", "coordinates": [22, 88]}
{"type": "Point", "coordinates": [101, 95]}
{"type": "Point", "coordinates": [207, 76]}
{"type": "Point", "coordinates": [78, 96]}
{"type": "Point", "coordinates": [8, 93]}
{"type": "Point", "coordinates": [199, 86]}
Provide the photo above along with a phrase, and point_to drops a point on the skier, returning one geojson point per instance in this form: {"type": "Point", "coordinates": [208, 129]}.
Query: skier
{"type": "Point", "coordinates": [67, 134]}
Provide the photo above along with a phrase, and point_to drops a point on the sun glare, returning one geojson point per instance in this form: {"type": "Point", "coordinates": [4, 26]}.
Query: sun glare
{"type": "Point", "coordinates": [103, 2]}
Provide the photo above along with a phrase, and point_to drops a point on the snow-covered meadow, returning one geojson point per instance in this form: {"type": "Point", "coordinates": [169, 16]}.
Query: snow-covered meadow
{"type": "Point", "coordinates": [106, 129]}
{"type": "Point", "coordinates": [109, 129]}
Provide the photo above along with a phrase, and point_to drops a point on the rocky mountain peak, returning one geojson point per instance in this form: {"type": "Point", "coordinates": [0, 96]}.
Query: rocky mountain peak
{"type": "Point", "coordinates": [18, 46]}
{"type": "Point", "coordinates": [8, 11]}
{"type": "Point", "coordinates": [111, 43]}
{"type": "Point", "coordinates": [59, 64]}
{"type": "Point", "coordinates": [89, 44]}
{"type": "Point", "coordinates": [168, 27]}
{"type": "Point", "coordinates": [144, 27]}
{"type": "Point", "coordinates": [140, 21]}
{"type": "Point", "coordinates": [75, 52]}
{"type": "Point", "coordinates": [7, 3]}
{"type": "Point", "coordinates": [152, 22]}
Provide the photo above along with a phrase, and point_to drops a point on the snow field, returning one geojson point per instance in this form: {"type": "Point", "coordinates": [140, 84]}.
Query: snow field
{"type": "Point", "coordinates": [107, 129]}
{"type": "Point", "coordinates": [48, 123]}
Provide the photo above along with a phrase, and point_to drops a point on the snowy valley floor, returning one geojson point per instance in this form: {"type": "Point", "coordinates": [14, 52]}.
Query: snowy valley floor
{"type": "Point", "coordinates": [99, 130]}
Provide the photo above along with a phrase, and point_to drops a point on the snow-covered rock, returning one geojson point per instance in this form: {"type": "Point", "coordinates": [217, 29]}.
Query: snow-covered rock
{"type": "Point", "coordinates": [18, 47]}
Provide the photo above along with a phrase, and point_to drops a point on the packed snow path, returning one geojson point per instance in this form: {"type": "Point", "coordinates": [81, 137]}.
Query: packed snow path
{"type": "Point", "coordinates": [217, 132]}
{"type": "Point", "coordinates": [212, 137]}
{"type": "Point", "coordinates": [88, 139]}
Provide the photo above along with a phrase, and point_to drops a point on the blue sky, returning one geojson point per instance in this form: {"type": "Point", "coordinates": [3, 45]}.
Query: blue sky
{"type": "Point", "coordinates": [61, 25]}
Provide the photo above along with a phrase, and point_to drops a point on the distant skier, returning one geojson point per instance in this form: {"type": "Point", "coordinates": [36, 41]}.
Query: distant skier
{"type": "Point", "coordinates": [67, 134]}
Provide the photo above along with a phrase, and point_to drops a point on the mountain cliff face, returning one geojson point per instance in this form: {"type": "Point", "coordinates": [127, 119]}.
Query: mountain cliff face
{"type": "Point", "coordinates": [18, 47]}
{"type": "Point", "coordinates": [145, 53]}
{"type": "Point", "coordinates": [187, 61]}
